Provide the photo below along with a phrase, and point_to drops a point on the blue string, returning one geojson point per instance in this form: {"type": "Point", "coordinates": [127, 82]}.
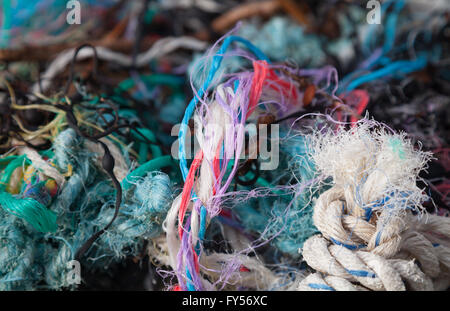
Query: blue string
{"type": "Point", "coordinates": [361, 273]}
{"type": "Point", "coordinates": [189, 284]}
{"type": "Point", "coordinates": [391, 26]}
{"type": "Point", "coordinates": [367, 213]}
{"type": "Point", "coordinates": [402, 66]}
{"type": "Point", "coordinates": [217, 60]}
{"type": "Point", "coordinates": [377, 239]}
{"type": "Point", "coordinates": [320, 286]}
{"type": "Point", "coordinates": [351, 247]}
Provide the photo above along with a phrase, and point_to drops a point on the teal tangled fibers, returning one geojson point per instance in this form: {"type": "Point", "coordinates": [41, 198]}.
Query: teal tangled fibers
{"type": "Point", "coordinates": [83, 206]}
{"type": "Point", "coordinates": [282, 39]}
{"type": "Point", "coordinates": [17, 252]}
{"type": "Point", "coordinates": [140, 217]}
{"type": "Point", "coordinates": [293, 224]}
{"type": "Point", "coordinates": [30, 210]}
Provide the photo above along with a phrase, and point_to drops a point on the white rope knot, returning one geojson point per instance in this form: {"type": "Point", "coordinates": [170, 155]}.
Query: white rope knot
{"type": "Point", "coordinates": [348, 268]}
{"type": "Point", "coordinates": [338, 224]}
{"type": "Point", "coordinates": [374, 232]}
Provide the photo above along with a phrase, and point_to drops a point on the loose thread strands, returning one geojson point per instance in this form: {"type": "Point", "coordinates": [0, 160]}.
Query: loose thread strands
{"type": "Point", "coordinates": [261, 76]}
{"type": "Point", "coordinates": [366, 71]}
{"type": "Point", "coordinates": [289, 226]}
{"type": "Point", "coordinates": [189, 111]}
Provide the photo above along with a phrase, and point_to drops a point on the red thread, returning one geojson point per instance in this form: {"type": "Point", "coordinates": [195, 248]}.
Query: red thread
{"type": "Point", "coordinates": [225, 213]}
{"type": "Point", "coordinates": [264, 76]}
{"type": "Point", "coordinates": [187, 190]}
{"type": "Point", "coordinates": [362, 99]}
{"type": "Point", "coordinates": [259, 75]}
{"type": "Point", "coordinates": [286, 87]}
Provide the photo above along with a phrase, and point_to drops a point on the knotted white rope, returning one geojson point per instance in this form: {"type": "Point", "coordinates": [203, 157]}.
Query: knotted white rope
{"type": "Point", "coordinates": [366, 268]}
{"type": "Point", "coordinates": [374, 232]}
